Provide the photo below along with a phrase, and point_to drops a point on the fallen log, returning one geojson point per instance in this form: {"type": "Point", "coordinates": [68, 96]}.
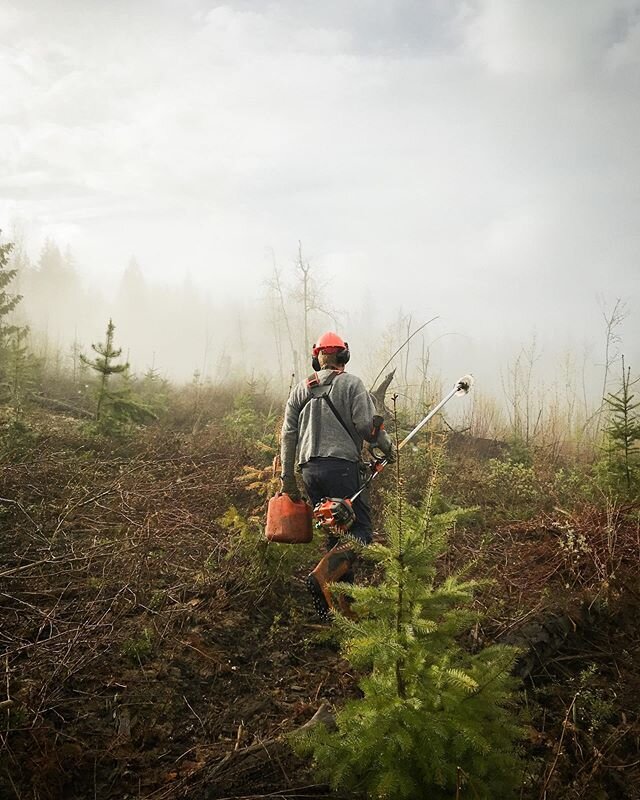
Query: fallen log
{"type": "Point", "coordinates": [52, 404]}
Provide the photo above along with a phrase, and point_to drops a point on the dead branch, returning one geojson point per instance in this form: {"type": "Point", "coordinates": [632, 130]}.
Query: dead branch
{"type": "Point", "coordinates": [379, 394]}
{"type": "Point", "coordinates": [268, 749]}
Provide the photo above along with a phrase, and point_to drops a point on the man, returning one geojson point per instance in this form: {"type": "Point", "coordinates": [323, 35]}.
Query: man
{"type": "Point", "coordinates": [327, 418]}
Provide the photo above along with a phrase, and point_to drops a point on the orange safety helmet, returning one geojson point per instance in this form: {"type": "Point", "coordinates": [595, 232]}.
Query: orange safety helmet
{"type": "Point", "coordinates": [330, 343]}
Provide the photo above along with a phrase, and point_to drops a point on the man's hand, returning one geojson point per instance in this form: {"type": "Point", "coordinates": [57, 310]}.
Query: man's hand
{"type": "Point", "coordinates": [290, 487]}
{"type": "Point", "coordinates": [385, 443]}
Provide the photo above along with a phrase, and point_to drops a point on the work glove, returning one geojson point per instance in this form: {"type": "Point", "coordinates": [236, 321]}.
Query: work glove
{"type": "Point", "coordinates": [385, 443]}
{"type": "Point", "coordinates": [290, 487]}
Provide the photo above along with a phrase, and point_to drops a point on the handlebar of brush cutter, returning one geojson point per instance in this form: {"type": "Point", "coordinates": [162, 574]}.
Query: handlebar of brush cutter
{"type": "Point", "coordinates": [378, 464]}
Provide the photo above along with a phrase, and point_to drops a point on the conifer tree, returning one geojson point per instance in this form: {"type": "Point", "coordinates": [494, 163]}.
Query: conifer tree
{"type": "Point", "coordinates": [623, 429]}
{"type": "Point", "coordinates": [435, 720]}
{"type": "Point", "coordinates": [17, 366]}
{"type": "Point", "coordinates": [104, 364]}
{"type": "Point", "coordinates": [8, 301]}
{"type": "Point", "coordinates": [78, 366]}
{"type": "Point", "coordinates": [114, 406]}
{"type": "Point", "coordinates": [18, 379]}
{"type": "Point", "coordinates": [13, 352]}
{"type": "Point", "coordinates": [153, 390]}
{"type": "Point", "coordinates": [20, 370]}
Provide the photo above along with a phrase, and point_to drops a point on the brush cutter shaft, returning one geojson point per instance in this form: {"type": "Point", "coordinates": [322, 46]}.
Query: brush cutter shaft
{"type": "Point", "coordinates": [426, 419]}
{"type": "Point", "coordinates": [336, 513]}
{"type": "Point", "coordinates": [462, 387]}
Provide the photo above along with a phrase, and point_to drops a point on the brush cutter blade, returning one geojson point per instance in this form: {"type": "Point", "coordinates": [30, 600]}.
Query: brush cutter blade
{"type": "Point", "coordinates": [464, 384]}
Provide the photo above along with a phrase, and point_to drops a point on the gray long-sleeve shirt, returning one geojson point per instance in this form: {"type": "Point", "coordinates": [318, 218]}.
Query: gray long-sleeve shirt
{"type": "Point", "coordinates": [310, 427]}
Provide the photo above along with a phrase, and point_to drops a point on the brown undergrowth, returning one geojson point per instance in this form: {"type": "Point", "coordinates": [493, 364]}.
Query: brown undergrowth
{"type": "Point", "coordinates": [565, 589]}
{"type": "Point", "coordinates": [133, 646]}
{"type": "Point", "coordinates": [140, 646]}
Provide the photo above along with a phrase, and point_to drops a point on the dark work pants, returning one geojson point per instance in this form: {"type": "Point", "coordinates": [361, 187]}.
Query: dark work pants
{"type": "Point", "coordinates": [335, 477]}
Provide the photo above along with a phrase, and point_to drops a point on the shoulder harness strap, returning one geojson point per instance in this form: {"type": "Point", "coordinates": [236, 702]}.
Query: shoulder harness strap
{"type": "Point", "coordinates": [313, 382]}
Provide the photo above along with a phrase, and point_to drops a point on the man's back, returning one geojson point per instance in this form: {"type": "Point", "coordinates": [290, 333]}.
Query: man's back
{"type": "Point", "coordinates": [312, 425]}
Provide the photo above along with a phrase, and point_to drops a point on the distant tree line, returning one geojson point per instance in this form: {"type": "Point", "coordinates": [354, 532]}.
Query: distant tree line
{"type": "Point", "coordinates": [180, 329]}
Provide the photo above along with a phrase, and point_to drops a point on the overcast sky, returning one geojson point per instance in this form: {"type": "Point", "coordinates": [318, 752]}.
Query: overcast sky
{"type": "Point", "coordinates": [479, 160]}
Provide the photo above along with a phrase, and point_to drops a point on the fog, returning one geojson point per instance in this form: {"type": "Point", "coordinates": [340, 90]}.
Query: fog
{"type": "Point", "coordinates": [474, 161]}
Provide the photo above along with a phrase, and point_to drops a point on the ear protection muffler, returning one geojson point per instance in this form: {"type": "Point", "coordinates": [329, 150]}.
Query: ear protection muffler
{"type": "Point", "coordinates": [342, 356]}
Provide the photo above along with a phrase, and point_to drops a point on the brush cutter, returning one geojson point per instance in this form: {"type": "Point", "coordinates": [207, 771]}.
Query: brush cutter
{"type": "Point", "coordinates": [336, 513]}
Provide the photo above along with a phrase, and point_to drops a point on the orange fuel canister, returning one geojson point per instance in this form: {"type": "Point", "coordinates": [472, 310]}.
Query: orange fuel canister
{"type": "Point", "coordinates": [289, 522]}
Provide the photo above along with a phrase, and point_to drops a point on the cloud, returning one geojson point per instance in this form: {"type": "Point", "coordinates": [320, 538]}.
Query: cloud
{"type": "Point", "coordinates": [625, 52]}
{"type": "Point", "coordinates": [479, 150]}
{"type": "Point", "coordinates": [548, 39]}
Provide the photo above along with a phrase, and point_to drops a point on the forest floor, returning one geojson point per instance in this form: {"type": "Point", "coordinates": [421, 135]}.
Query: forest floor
{"type": "Point", "coordinates": [151, 649]}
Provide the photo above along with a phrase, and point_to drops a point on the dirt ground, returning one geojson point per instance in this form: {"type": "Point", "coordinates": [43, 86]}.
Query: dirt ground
{"type": "Point", "coordinates": [143, 654]}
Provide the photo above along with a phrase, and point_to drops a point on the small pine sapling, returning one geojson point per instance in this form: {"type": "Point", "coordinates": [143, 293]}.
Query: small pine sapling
{"type": "Point", "coordinates": [153, 391]}
{"type": "Point", "coordinates": [623, 431]}
{"type": "Point", "coordinates": [435, 721]}
{"type": "Point", "coordinates": [248, 421]}
{"type": "Point", "coordinates": [259, 430]}
{"type": "Point", "coordinates": [21, 370]}
{"type": "Point", "coordinates": [19, 378]}
{"type": "Point", "coordinates": [115, 407]}
{"type": "Point", "coordinates": [265, 566]}
{"type": "Point", "coordinates": [126, 407]}
{"type": "Point", "coordinates": [104, 364]}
